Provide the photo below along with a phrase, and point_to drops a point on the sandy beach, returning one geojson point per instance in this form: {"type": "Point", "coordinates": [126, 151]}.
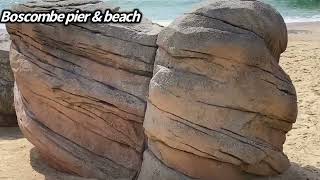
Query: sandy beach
{"type": "Point", "coordinates": [20, 160]}
{"type": "Point", "coordinates": [302, 62]}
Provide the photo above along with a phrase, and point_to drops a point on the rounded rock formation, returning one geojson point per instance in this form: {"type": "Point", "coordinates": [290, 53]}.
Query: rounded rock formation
{"type": "Point", "coordinates": [81, 89]}
{"type": "Point", "coordinates": [219, 103]}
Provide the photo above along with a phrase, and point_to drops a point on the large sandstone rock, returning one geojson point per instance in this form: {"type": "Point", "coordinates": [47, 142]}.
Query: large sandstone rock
{"type": "Point", "coordinates": [219, 103]}
{"type": "Point", "coordinates": [81, 90]}
{"type": "Point", "coordinates": [7, 112]}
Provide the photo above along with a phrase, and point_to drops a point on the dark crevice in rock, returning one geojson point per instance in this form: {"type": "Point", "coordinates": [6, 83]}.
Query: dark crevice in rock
{"type": "Point", "coordinates": [100, 101]}
{"type": "Point", "coordinates": [145, 147]}
{"type": "Point", "coordinates": [75, 148]}
{"type": "Point", "coordinates": [226, 22]}
{"type": "Point", "coordinates": [233, 108]}
{"type": "Point", "coordinates": [195, 74]}
{"type": "Point", "coordinates": [160, 161]}
{"type": "Point", "coordinates": [245, 111]}
{"type": "Point", "coordinates": [182, 57]}
{"type": "Point", "coordinates": [243, 28]}
{"type": "Point", "coordinates": [116, 54]}
{"type": "Point", "coordinates": [190, 72]}
{"type": "Point", "coordinates": [257, 141]}
{"type": "Point", "coordinates": [287, 81]}
{"type": "Point", "coordinates": [209, 156]}
{"type": "Point", "coordinates": [55, 76]}
{"type": "Point", "coordinates": [96, 115]}
{"type": "Point", "coordinates": [243, 162]}
{"type": "Point", "coordinates": [258, 145]}
{"type": "Point", "coordinates": [197, 52]}
{"type": "Point", "coordinates": [271, 167]}
{"type": "Point", "coordinates": [89, 79]}
{"type": "Point", "coordinates": [154, 139]}
{"type": "Point", "coordinates": [202, 129]}
{"type": "Point", "coordinates": [253, 144]}
{"type": "Point", "coordinates": [103, 34]}
{"type": "Point", "coordinates": [87, 47]}
{"type": "Point", "coordinates": [104, 112]}
{"type": "Point", "coordinates": [134, 72]}
{"type": "Point", "coordinates": [285, 91]}
{"type": "Point", "coordinates": [91, 98]}
{"type": "Point", "coordinates": [60, 112]}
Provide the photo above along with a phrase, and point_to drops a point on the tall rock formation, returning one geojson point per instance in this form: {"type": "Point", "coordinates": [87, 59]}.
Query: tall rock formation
{"type": "Point", "coordinates": [219, 103]}
{"type": "Point", "coordinates": [7, 112]}
{"type": "Point", "coordinates": [80, 91]}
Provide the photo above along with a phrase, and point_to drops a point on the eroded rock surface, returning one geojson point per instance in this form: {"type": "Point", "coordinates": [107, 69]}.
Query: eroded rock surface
{"type": "Point", "coordinates": [81, 90]}
{"type": "Point", "coordinates": [219, 103]}
{"type": "Point", "coordinates": [7, 112]}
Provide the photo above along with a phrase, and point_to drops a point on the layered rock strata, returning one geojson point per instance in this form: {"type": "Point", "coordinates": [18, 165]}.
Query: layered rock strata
{"type": "Point", "coordinates": [7, 112]}
{"type": "Point", "coordinates": [81, 89]}
{"type": "Point", "coordinates": [219, 103]}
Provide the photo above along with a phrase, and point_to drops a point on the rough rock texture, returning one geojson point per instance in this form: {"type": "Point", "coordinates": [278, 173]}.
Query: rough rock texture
{"type": "Point", "coordinates": [153, 169]}
{"type": "Point", "coordinates": [219, 103]}
{"type": "Point", "coordinates": [81, 90]}
{"type": "Point", "coordinates": [7, 112]}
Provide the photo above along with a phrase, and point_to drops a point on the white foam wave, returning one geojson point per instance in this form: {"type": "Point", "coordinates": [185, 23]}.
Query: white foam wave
{"type": "Point", "coordinates": [163, 22]}
{"type": "Point", "coordinates": [314, 18]}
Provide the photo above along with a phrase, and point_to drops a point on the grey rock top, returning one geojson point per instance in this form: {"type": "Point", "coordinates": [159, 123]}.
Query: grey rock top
{"type": "Point", "coordinates": [254, 16]}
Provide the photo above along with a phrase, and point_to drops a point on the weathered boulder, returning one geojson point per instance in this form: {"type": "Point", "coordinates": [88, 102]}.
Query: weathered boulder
{"type": "Point", "coordinates": [219, 103]}
{"type": "Point", "coordinates": [153, 169]}
{"type": "Point", "coordinates": [7, 112]}
{"type": "Point", "coordinates": [80, 91]}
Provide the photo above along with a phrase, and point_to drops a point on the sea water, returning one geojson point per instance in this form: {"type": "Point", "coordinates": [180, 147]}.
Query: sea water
{"type": "Point", "coordinates": [167, 10]}
{"type": "Point", "coordinates": [164, 11]}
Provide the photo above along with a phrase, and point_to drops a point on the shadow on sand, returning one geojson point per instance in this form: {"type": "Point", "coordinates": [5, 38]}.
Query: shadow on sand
{"type": "Point", "coordinates": [296, 172]}
{"type": "Point", "coordinates": [10, 133]}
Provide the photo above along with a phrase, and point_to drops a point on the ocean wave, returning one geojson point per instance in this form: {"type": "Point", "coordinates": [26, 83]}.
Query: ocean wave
{"type": "Point", "coordinates": [163, 22]}
{"type": "Point", "coordinates": [314, 18]}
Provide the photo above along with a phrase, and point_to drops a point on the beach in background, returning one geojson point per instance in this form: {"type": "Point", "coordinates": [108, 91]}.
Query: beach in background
{"type": "Point", "coordinates": [164, 11]}
{"type": "Point", "coordinates": [20, 160]}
